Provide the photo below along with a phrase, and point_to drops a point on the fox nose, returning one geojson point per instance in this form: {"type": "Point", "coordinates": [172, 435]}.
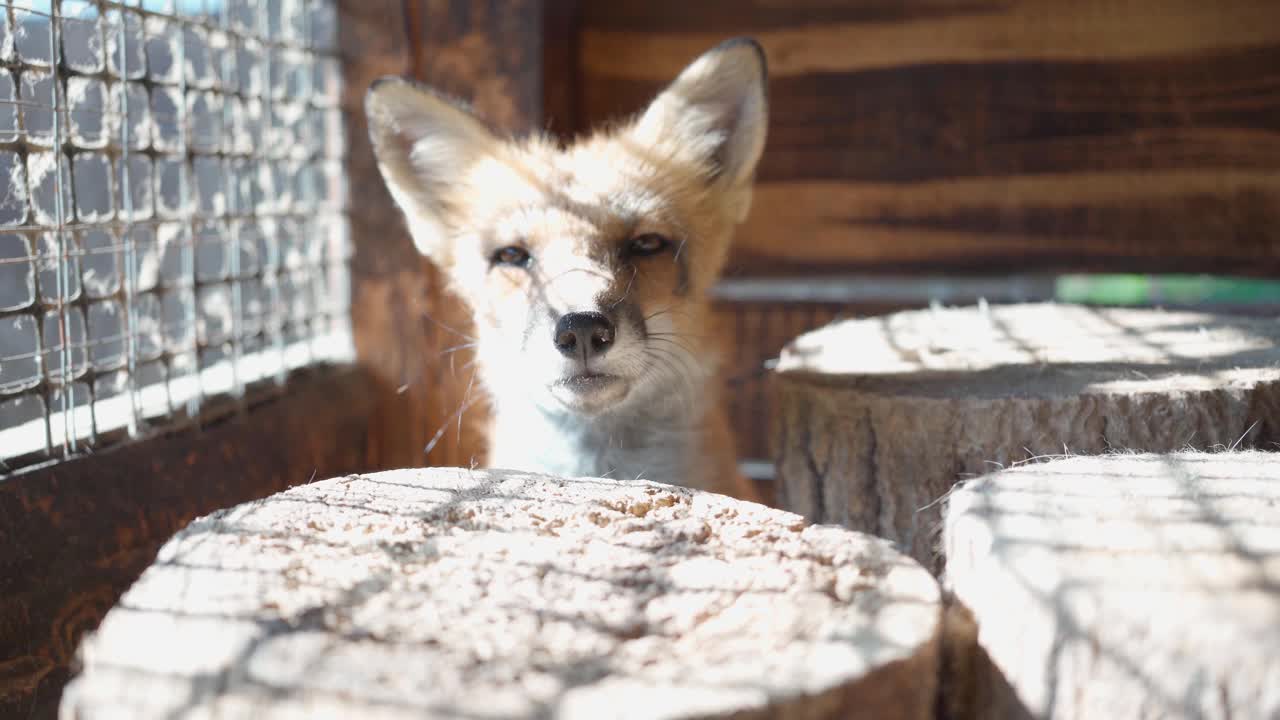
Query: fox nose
{"type": "Point", "coordinates": [583, 333]}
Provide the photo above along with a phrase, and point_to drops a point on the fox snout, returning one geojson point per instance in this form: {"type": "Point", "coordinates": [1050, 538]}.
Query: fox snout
{"type": "Point", "coordinates": [586, 263]}
{"type": "Point", "coordinates": [584, 335]}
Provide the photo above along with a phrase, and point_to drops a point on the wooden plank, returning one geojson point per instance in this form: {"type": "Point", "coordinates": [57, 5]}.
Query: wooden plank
{"type": "Point", "coordinates": [486, 52]}
{"type": "Point", "coordinates": [653, 40]}
{"type": "Point", "coordinates": [74, 535]}
{"type": "Point", "coordinates": [1189, 221]}
{"type": "Point", "coordinates": [942, 120]}
{"type": "Point", "coordinates": [561, 73]}
{"type": "Point", "coordinates": [1137, 135]}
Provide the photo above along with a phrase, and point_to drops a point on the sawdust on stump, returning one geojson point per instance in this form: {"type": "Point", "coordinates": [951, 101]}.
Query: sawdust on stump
{"type": "Point", "coordinates": [448, 593]}
{"type": "Point", "coordinates": [878, 418]}
{"type": "Point", "coordinates": [1127, 586]}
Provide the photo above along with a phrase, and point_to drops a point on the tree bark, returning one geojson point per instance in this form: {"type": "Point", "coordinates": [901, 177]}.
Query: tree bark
{"type": "Point", "coordinates": [878, 418]}
{"type": "Point", "coordinates": [1127, 586]}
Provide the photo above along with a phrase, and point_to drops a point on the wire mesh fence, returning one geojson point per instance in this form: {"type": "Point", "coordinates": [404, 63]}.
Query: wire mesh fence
{"type": "Point", "coordinates": [173, 220]}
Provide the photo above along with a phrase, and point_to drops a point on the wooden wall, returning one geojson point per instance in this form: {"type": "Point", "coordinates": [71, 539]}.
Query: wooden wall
{"type": "Point", "coordinates": [951, 136]}
{"type": "Point", "coordinates": [973, 137]}
{"type": "Point", "coordinates": [986, 135]}
{"type": "Point", "coordinates": [948, 136]}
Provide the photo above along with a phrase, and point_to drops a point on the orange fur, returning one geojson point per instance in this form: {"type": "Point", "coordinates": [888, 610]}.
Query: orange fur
{"type": "Point", "coordinates": [530, 233]}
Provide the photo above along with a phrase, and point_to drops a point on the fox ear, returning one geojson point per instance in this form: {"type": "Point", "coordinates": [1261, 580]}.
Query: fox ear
{"type": "Point", "coordinates": [423, 143]}
{"type": "Point", "coordinates": [718, 108]}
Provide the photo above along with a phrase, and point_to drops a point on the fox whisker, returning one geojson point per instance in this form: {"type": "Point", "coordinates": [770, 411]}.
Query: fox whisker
{"type": "Point", "coordinates": [435, 439]}
{"type": "Point", "coordinates": [459, 333]}
{"type": "Point", "coordinates": [583, 372]}
{"type": "Point", "coordinates": [456, 348]}
{"type": "Point", "coordinates": [466, 397]}
{"type": "Point", "coordinates": [626, 293]}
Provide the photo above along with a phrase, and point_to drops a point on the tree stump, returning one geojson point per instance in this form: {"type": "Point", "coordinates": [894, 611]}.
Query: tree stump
{"type": "Point", "coordinates": [878, 418]}
{"type": "Point", "coordinates": [448, 593]}
{"type": "Point", "coordinates": [1127, 586]}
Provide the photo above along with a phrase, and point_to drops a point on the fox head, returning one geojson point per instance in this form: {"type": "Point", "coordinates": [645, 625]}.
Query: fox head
{"type": "Point", "coordinates": [586, 267]}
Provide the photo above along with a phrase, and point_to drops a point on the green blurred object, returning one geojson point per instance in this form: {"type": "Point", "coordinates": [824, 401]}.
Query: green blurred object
{"type": "Point", "coordinates": [1166, 289]}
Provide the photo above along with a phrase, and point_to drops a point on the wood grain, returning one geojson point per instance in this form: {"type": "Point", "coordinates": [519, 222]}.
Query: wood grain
{"type": "Point", "coordinates": [1178, 221]}
{"type": "Point", "coordinates": [653, 40]}
{"type": "Point", "coordinates": [561, 71]}
{"type": "Point", "coordinates": [987, 136]}
{"type": "Point", "coordinates": [486, 52]}
{"type": "Point", "coordinates": [74, 535]}
{"type": "Point", "coordinates": [934, 120]}
{"type": "Point", "coordinates": [874, 438]}
{"type": "Point", "coordinates": [1125, 586]}
{"type": "Point", "coordinates": [447, 593]}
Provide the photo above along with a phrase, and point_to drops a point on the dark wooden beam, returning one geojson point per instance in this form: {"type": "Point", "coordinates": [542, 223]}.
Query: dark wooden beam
{"type": "Point", "coordinates": [986, 136]}
{"type": "Point", "coordinates": [561, 69]}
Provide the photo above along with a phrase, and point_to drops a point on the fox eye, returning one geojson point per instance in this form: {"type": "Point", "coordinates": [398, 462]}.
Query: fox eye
{"type": "Point", "coordinates": [647, 244]}
{"type": "Point", "coordinates": [512, 255]}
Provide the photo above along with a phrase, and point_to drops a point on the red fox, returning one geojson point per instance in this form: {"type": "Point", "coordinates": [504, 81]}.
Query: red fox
{"type": "Point", "coordinates": [586, 267]}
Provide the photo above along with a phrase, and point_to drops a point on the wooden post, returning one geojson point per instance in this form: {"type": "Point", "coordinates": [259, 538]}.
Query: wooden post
{"type": "Point", "coordinates": [986, 137]}
{"type": "Point", "coordinates": [446, 592]}
{"type": "Point", "coordinates": [879, 418]}
{"type": "Point", "coordinates": [1125, 586]}
{"type": "Point", "coordinates": [75, 534]}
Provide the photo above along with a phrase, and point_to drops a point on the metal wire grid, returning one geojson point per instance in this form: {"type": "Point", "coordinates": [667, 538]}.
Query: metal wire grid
{"type": "Point", "coordinates": [173, 225]}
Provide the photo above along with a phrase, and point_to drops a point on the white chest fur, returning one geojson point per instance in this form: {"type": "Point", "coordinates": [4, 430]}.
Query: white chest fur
{"type": "Point", "coordinates": [663, 449]}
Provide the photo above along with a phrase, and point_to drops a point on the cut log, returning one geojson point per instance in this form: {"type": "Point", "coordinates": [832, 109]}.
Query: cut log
{"type": "Point", "coordinates": [448, 593]}
{"type": "Point", "coordinates": [1138, 586]}
{"type": "Point", "coordinates": [878, 418]}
